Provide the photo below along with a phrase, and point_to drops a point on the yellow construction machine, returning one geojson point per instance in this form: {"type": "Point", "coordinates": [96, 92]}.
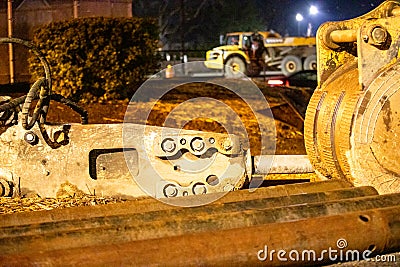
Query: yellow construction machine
{"type": "Point", "coordinates": [251, 53]}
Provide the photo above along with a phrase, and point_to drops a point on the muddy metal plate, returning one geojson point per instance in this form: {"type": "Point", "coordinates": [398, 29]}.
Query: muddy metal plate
{"type": "Point", "coordinates": [375, 135]}
{"type": "Point", "coordinates": [127, 160]}
{"type": "Point", "coordinates": [110, 163]}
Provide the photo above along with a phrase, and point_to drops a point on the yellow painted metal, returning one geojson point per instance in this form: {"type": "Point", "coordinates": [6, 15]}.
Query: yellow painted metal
{"type": "Point", "coordinates": [351, 125]}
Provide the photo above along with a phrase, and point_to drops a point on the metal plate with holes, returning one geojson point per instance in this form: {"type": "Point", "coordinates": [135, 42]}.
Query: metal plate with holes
{"type": "Point", "coordinates": [95, 161]}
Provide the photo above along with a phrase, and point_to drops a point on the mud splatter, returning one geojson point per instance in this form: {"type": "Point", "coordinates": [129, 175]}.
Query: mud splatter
{"type": "Point", "coordinates": [387, 113]}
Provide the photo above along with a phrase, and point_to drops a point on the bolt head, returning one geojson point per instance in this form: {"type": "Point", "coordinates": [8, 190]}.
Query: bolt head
{"type": "Point", "coordinates": [198, 144]}
{"type": "Point", "coordinates": [168, 145]}
{"type": "Point", "coordinates": [379, 35]}
{"type": "Point", "coordinates": [228, 144]}
{"type": "Point", "coordinates": [170, 190]}
{"type": "Point", "coordinates": [31, 138]}
{"type": "Point", "coordinates": [199, 189]}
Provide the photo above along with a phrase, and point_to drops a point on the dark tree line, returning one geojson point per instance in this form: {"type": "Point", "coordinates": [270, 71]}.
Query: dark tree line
{"type": "Point", "coordinates": [199, 23]}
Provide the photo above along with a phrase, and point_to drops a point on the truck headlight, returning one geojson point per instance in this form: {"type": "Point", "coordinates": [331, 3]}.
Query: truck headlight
{"type": "Point", "coordinates": [214, 55]}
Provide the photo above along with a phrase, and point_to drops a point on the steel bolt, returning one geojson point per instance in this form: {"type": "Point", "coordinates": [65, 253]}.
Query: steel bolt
{"type": "Point", "coordinates": [211, 140]}
{"type": "Point", "coordinates": [198, 144]}
{"type": "Point", "coordinates": [199, 189]}
{"type": "Point", "coordinates": [212, 180]}
{"type": "Point", "coordinates": [31, 138]}
{"type": "Point", "coordinates": [228, 144]}
{"type": "Point", "coordinates": [168, 145]}
{"type": "Point", "coordinates": [228, 188]}
{"type": "Point", "coordinates": [379, 35]}
{"type": "Point", "coordinates": [170, 190]}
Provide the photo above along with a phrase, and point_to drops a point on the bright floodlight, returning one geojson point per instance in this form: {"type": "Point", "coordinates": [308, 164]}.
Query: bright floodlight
{"type": "Point", "coordinates": [313, 10]}
{"type": "Point", "coordinates": [299, 17]}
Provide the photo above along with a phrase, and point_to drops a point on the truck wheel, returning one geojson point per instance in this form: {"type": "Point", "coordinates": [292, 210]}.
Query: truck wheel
{"type": "Point", "coordinates": [290, 65]}
{"type": "Point", "coordinates": [235, 67]}
{"type": "Point", "coordinates": [310, 63]}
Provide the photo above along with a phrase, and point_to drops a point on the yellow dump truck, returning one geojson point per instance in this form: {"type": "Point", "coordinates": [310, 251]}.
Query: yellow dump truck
{"type": "Point", "coordinates": [251, 53]}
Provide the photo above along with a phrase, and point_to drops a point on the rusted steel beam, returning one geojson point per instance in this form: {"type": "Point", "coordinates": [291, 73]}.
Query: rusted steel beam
{"type": "Point", "coordinates": [321, 240]}
{"type": "Point", "coordinates": [162, 223]}
{"type": "Point", "coordinates": [151, 204]}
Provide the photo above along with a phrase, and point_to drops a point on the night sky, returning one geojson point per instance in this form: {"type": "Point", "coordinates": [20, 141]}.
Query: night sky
{"type": "Point", "coordinates": [329, 10]}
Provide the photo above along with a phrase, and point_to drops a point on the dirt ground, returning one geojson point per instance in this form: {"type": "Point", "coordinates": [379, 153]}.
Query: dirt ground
{"type": "Point", "coordinates": [287, 119]}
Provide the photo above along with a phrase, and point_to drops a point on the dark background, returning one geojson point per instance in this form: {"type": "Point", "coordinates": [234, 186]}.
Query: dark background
{"type": "Point", "coordinates": [200, 22]}
{"type": "Point", "coordinates": [329, 10]}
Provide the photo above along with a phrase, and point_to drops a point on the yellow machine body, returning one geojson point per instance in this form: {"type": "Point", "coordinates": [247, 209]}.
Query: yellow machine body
{"type": "Point", "coordinates": [352, 125]}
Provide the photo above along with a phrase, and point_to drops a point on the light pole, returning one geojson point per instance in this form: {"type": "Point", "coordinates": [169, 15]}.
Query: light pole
{"type": "Point", "coordinates": [299, 18]}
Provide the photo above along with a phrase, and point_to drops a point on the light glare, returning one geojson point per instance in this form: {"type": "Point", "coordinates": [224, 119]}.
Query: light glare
{"type": "Point", "coordinates": [299, 17]}
{"type": "Point", "coordinates": [313, 10]}
{"type": "Point", "coordinates": [275, 82]}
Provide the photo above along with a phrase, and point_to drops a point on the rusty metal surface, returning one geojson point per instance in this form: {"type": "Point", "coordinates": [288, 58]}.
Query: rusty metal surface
{"type": "Point", "coordinates": [173, 222]}
{"type": "Point", "coordinates": [231, 231]}
{"type": "Point", "coordinates": [226, 249]}
{"type": "Point", "coordinates": [150, 204]}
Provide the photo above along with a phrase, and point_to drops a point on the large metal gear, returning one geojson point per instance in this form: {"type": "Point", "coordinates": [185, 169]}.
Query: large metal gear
{"type": "Point", "coordinates": [352, 123]}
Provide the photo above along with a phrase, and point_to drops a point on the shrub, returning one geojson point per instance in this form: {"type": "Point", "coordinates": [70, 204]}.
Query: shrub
{"type": "Point", "coordinates": [97, 59]}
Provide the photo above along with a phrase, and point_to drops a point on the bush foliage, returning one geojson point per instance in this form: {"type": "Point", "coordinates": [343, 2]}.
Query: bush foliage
{"type": "Point", "coordinates": [97, 59]}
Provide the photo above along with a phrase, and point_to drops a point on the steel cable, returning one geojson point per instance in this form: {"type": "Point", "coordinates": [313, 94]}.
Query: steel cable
{"type": "Point", "coordinates": [40, 90]}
